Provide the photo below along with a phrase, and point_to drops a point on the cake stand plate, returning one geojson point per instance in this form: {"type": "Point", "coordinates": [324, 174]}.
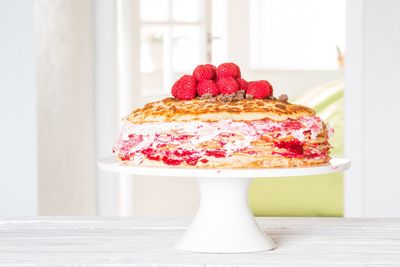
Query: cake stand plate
{"type": "Point", "coordinates": [223, 222]}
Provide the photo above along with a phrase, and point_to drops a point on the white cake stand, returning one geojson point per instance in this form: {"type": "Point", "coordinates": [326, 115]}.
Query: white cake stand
{"type": "Point", "coordinates": [224, 222]}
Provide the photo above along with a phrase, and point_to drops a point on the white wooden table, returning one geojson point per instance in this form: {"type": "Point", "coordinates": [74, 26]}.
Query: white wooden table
{"type": "Point", "coordinates": [78, 241]}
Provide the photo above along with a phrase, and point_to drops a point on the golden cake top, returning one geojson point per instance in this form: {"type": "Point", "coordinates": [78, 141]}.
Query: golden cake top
{"type": "Point", "coordinates": [170, 110]}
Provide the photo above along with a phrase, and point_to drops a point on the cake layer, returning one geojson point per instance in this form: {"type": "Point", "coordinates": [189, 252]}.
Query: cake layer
{"type": "Point", "coordinates": [225, 143]}
{"type": "Point", "coordinates": [170, 109]}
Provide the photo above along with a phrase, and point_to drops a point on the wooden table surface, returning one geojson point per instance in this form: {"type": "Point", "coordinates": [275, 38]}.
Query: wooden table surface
{"type": "Point", "coordinates": [97, 241]}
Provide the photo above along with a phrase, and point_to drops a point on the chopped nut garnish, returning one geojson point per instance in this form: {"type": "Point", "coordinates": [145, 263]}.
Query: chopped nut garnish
{"type": "Point", "coordinates": [248, 96]}
{"type": "Point", "coordinates": [229, 97]}
{"type": "Point", "coordinates": [283, 98]}
{"type": "Point", "coordinates": [219, 97]}
{"type": "Point", "coordinates": [239, 95]}
{"type": "Point", "coordinates": [224, 98]}
{"type": "Point", "coordinates": [206, 96]}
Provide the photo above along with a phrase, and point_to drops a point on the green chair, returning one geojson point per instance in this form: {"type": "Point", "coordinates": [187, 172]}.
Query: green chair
{"type": "Point", "coordinates": [319, 195]}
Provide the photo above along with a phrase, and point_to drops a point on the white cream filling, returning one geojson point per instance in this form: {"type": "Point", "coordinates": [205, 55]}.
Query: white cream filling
{"type": "Point", "coordinates": [200, 132]}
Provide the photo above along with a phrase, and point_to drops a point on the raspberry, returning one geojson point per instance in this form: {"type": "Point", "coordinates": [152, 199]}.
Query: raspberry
{"type": "Point", "coordinates": [227, 85]}
{"type": "Point", "coordinates": [213, 69]}
{"type": "Point", "coordinates": [239, 73]}
{"type": "Point", "coordinates": [186, 88]}
{"type": "Point", "coordinates": [259, 89]}
{"type": "Point", "coordinates": [203, 72]}
{"type": "Point", "coordinates": [242, 84]}
{"type": "Point", "coordinates": [208, 86]}
{"type": "Point", "coordinates": [228, 70]}
{"type": "Point", "coordinates": [174, 89]}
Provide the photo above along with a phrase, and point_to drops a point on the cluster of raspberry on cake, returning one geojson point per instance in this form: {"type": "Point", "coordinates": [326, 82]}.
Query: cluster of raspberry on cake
{"type": "Point", "coordinates": [216, 119]}
{"type": "Point", "coordinates": [226, 80]}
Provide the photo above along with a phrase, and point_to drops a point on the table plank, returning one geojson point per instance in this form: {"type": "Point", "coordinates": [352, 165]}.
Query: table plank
{"type": "Point", "coordinates": [85, 241]}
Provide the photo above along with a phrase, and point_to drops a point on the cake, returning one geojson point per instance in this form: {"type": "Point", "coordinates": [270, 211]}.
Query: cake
{"type": "Point", "coordinates": [213, 123]}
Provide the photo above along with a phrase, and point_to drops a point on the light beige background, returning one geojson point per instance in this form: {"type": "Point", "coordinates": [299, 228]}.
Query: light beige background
{"type": "Point", "coordinates": [64, 41]}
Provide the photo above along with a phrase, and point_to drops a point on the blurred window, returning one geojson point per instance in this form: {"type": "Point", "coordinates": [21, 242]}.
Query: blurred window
{"type": "Point", "coordinates": [296, 34]}
{"type": "Point", "coordinates": [174, 37]}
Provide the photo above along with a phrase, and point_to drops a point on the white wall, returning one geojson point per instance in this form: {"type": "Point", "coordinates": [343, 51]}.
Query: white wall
{"type": "Point", "coordinates": [64, 36]}
{"type": "Point", "coordinates": [106, 118]}
{"type": "Point", "coordinates": [18, 154]}
{"type": "Point", "coordinates": [372, 108]}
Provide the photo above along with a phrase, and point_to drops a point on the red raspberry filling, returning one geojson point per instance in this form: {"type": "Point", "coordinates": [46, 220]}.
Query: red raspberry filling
{"type": "Point", "coordinates": [294, 148]}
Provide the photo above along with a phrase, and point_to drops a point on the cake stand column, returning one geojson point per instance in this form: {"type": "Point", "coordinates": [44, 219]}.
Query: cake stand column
{"type": "Point", "coordinates": [224, 222]}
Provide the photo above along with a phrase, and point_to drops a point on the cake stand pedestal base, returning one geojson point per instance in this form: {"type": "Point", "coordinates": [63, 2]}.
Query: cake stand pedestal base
{"type": "Point", "coordinates": [224, 223]}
